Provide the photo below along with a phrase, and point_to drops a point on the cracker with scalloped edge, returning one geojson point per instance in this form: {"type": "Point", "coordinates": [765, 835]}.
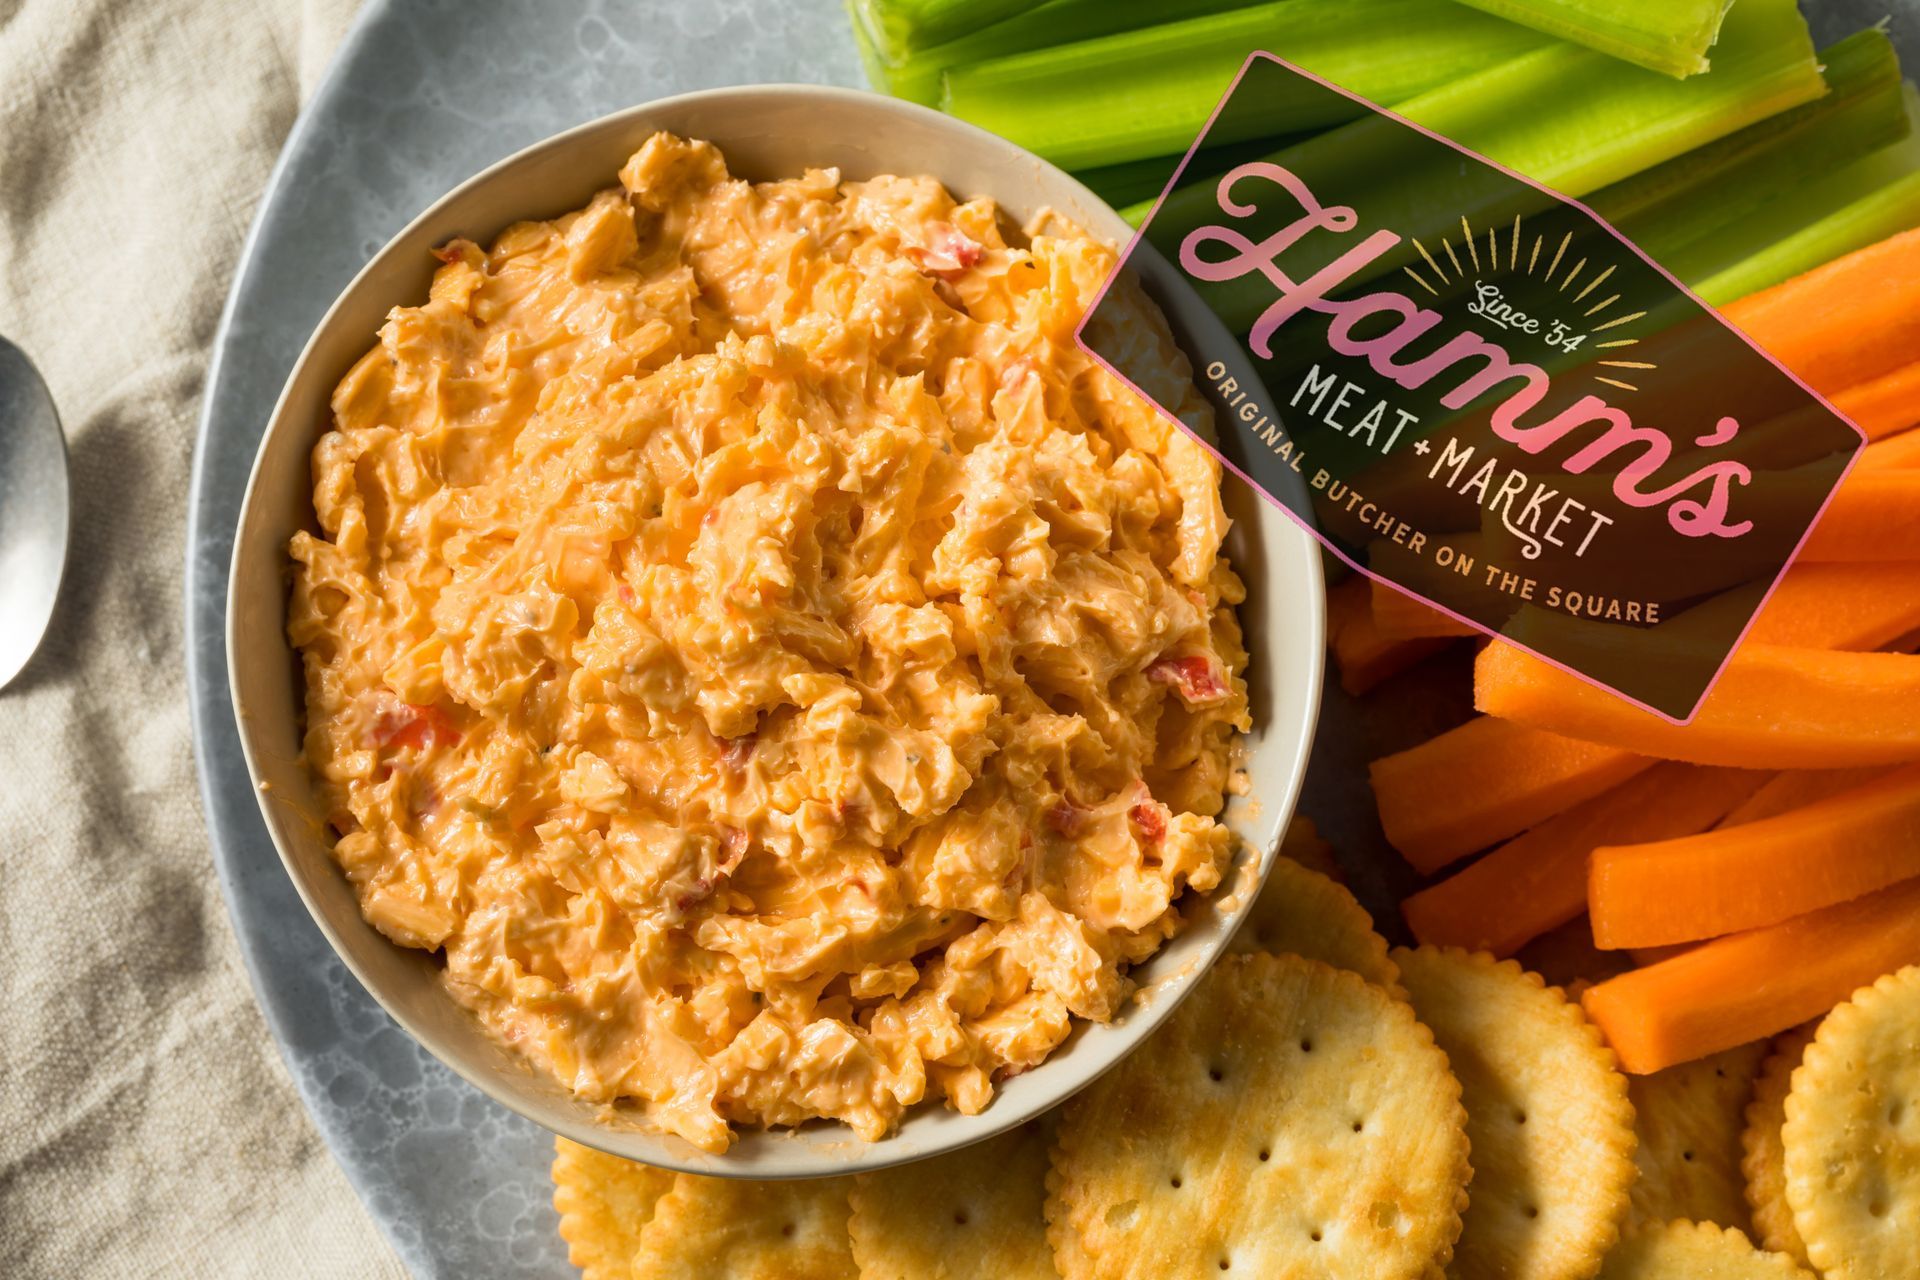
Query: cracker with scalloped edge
{"type": "Point", "coordinates": [1683, 1250]}
{"type": "Point", "coordinates": [1301, 912]}
{"type": "Point", "coordinates": [1763, 1158]}
{"type": "Point", "coordinates": [1304, 844]}
{"type": "Point", "coordinates": [1548, 1119]}
{"type": "Point", "coordinates": [1852, 1135]}
{"type": "Point", "coordinates": [603, 1201]}
{"type": "Point", "coordinates": [1069, 1258]}
{"type": "Point", "coordinates": [739, 1229]}
{"type": "Point", "coordinates": [1289, 1119]}
{"type": "Point", "coordinates": [1689, 1119]}
{"type": "Point", "coordinates": [976, 1212]}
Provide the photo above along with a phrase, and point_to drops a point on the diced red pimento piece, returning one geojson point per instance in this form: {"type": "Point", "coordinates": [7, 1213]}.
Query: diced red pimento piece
{"type": "Point", "coordinates": [1066, 818]}
{"type": "Point", "coordinates": [963, 247]}
{"type": "Point", "coordinates": [699, 892]}
{"type": "Point", "coordinates": [1195, 678]}
{"type": "Point", "coordinates": [406, 725]}
{"type": "Point", "coordinates": [1150, 816]}
{"type": "Point", "coordinates": [947, 253]}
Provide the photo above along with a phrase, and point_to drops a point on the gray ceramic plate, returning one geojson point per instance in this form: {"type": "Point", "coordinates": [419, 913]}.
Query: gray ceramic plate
{"type": "Point", "coordinates": [412, 106]}
{"type": "Point", "coordinates": [764, 132]}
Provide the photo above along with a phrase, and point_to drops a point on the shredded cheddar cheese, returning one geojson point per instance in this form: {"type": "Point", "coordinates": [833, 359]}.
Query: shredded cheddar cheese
{"type": "Point", "coordinates": [781, 672]}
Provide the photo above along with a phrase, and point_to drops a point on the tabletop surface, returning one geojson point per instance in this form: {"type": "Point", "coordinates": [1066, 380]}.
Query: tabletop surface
{"type": "Point", "coordinates": [425, 93]}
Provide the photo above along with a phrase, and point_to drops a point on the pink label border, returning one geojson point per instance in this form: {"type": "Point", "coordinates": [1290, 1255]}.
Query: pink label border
{"type": "Point", "coordinates": [1139, 234]}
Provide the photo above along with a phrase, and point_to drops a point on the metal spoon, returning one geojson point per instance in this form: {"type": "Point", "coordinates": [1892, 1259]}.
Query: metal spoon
{"type": "Point", "coordinates": [33, 509]}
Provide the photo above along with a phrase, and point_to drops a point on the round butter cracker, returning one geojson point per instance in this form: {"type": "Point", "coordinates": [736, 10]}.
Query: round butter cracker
{"type": "Point", "coordinates": [603, 1202]}
{"type": "Point", "coordinates": [1689, 1120]}
{"type": "Point", "coordinates": [1764, 1158]}
{"type": "Point", "coordinates": [738, 1229]}
{"type": "Point", "coordinates": [1289, 1119]}
{"type": "Point", "coordinates": [1069, 1258]}
{"type": "Point", "coordinates": [975, 1214]}
{"type": "Point", "coordinates": [1852, 1136]}
{"type": "Point", "coordinates": [1548, 1119]}
{"type": "Point", "coordinates": [1685, 1250]}
{"type": "Point", "coordinates": [1304, 913]}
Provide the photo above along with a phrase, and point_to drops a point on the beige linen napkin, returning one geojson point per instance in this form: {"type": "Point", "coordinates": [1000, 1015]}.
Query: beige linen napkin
{"type": "Point", "coordinates": [147, 1127]}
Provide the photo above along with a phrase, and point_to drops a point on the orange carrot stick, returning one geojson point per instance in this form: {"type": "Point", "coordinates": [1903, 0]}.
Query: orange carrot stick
{"type": "Point", "coordinates": [1898, 454]}
{"type": "Point", "coordinates": [1845, 323]}
{"type": "Point", "coordinates": [1737, 989]}
{"type": "Point", "coordinates": [1841, 606]}
{"type": "Point", "coordinates": [1796, 789]}
{"type": "Point", "coordinates": [1423, 792]}
{"type": "Point", "coordinates": [1644, 956]}
{"type": "Point", "coordinates": [1365, 656]}
{"type": "Point", "coordinates": [1773, 708]}
{"type": "Point", "coordinates": [1884, 405]}
{"type": "Point", "coordinates": [1844, 606]}
{"type": "Point", "coordinates": [1476, 785]}
{"type": "Point", "coordinates": [1402, 617]}
{"type": "Point", "coordinates": [1759, 873]}
{"type": "Point", "coordinates": [1538, 881]}
{"type": "Point", "coordinates": [1874, 515]}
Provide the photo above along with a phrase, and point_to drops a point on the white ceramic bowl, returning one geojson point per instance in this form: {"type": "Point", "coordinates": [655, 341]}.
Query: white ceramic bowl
{"type": "Point", "coordinates": [765, 132]}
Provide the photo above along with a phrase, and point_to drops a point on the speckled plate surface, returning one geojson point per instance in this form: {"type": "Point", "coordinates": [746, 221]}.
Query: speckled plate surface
{"type": "Point", "coordinates": [425, 93]}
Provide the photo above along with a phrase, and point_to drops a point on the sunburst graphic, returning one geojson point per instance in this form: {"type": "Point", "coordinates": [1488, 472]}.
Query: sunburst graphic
{"type": "Point", "coordinates": [1447, 268]}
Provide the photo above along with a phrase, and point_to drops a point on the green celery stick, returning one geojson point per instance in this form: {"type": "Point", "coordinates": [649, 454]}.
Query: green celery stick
{"type": "Point", "coordinates": [1142, 180]}
{"type": "Point", "coordinates": [1609, 120]}
{"type": "Point", "coordinates": [879, 74]}
{"type": "Point", "coordinates": [901, 28]}
{"type": "Point", "coordinates": [1668, 36]}
{"type": "Point", "coordinates": [1576, 122]}
{"type": "Point", "coordinates": [1147, 93]}
{"type": "Point", "coordinates": [1892, 209]}
{"type": "Point", "coordinates": [1864, 202]}
{"type": "Point", "coordinates": [1677, 203]}
{"type": "Point", "coordinates": [917, 77]}
{"type": "Point", "coordinates": [1135, 181]}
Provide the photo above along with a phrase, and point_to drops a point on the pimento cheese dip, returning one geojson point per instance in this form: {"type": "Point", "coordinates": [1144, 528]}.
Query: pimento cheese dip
{"type": "Point", "coordinates": [746, 635]}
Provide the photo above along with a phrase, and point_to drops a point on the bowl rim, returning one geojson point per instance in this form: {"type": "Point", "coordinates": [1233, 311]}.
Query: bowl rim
{"type": "Point", "coordinates": [1141, 1016]}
